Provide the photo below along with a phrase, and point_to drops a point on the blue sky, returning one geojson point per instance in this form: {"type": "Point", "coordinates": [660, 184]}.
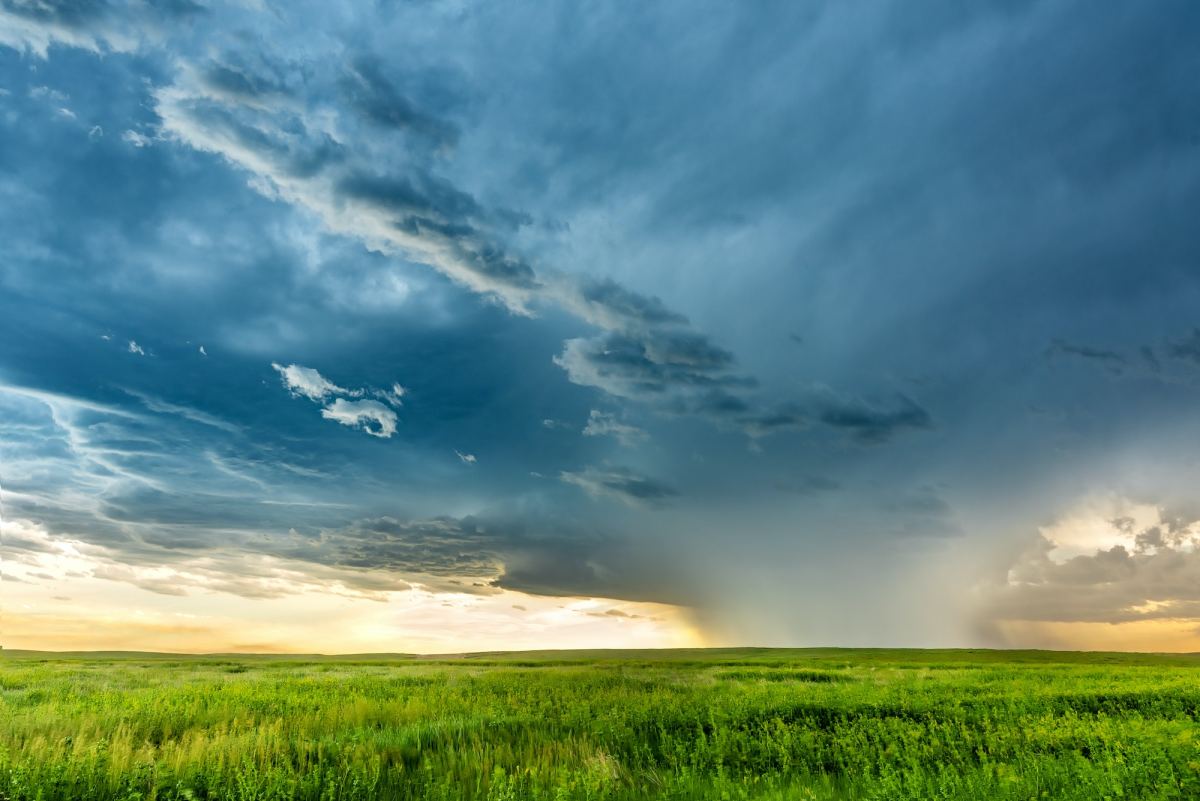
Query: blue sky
{"type": "Point", "coordinates": [434, 325]}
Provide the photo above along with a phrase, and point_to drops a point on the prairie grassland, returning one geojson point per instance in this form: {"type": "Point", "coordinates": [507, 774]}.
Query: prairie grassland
{"type": "Point", "coordinates": [718, 724]}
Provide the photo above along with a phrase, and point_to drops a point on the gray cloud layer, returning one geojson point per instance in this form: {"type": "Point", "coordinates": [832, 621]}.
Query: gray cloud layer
{"type": "Point", "coordinates": [933, 265]}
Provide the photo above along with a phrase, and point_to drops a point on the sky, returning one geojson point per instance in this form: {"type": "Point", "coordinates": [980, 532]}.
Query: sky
{"type": "Point", "coordinates": [435, 326]}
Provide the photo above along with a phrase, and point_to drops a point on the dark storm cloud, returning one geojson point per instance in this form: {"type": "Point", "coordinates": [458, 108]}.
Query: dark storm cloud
{"type": "Point", "coordinates": [649, 350]}
{"type": "Point", "coordinates": [610, 298]}
{"type": "Point", "coordinates": [333, 172]}
{"type": "Point", "coordinates": [865, 421]}
{"type": "Point", "coordinates": [293, 143]}
{"type": "Point", "coordinates": [475, 554]}
{"type": "Point", "coordinates": [444, 547]}
{"type": "Point", "coordinates": [934, 192]}
{"type": "Point", "coordinates": [872, 422]}
{"type": "Point", "coordinates": [868, 422]}
{"type": "Point", "coordinates": [380, 101]}
{"type": "Point", "coordinates": [434, 203]}
{"type": "Point", "coordinates": [441, 217]}
{"type": "Point", "coordinates": [684, 373]}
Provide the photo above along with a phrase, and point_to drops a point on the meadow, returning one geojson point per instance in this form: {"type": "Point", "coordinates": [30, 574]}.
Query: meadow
{"type": "Point", "coordinates": [710, 724]}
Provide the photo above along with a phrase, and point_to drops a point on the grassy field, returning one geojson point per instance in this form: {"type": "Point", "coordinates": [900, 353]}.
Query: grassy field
{"type": "Point", "coordinates": [715, 724]}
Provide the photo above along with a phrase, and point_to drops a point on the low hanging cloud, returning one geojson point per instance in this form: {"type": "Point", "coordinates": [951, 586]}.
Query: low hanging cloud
{"type": "Point", "coordinates": [346, 406]}
{"type": "Point", "coordinates": [1146, 572]}
{"type": "Point", "coordinates": [481, 554]}
{"type": "Point", "coordinates": [478, 554]}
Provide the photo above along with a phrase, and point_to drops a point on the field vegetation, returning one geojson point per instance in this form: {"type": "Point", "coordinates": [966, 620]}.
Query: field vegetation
{"type": "Point", "coordinates": [715, 724]}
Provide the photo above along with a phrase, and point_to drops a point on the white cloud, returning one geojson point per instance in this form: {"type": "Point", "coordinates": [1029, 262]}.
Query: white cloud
{"type": "Point", "coordinates": [371, 416]}
{"type": "Point", "coordinates": [203, 352]}
{"type": "Point", "coordinates": [136, 348]}
{"type": "Point", "coordinates": [309, 383]}
{"type": "Point", "coordinates": [95, 132]}
{"type": "Point", "coordinates": [394, 396]}
{"type": "Point", "coordinates": [136, 139]}
{"type": "Point", "coordinates": [603, 424]}
{"type": "Point", "coordinates": [467, 458]}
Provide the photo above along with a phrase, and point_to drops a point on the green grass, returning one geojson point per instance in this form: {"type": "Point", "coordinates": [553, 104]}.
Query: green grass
{"type": "Point", "coordinates": [716, 724]}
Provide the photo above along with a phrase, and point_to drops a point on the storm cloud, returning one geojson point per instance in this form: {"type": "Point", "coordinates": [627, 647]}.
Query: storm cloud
{"type": "Point", "coordinates": [490, 300]}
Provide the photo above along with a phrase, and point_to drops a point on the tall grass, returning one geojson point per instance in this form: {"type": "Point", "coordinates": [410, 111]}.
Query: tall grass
{"type": "Point", "coordinates": [725, 725]}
